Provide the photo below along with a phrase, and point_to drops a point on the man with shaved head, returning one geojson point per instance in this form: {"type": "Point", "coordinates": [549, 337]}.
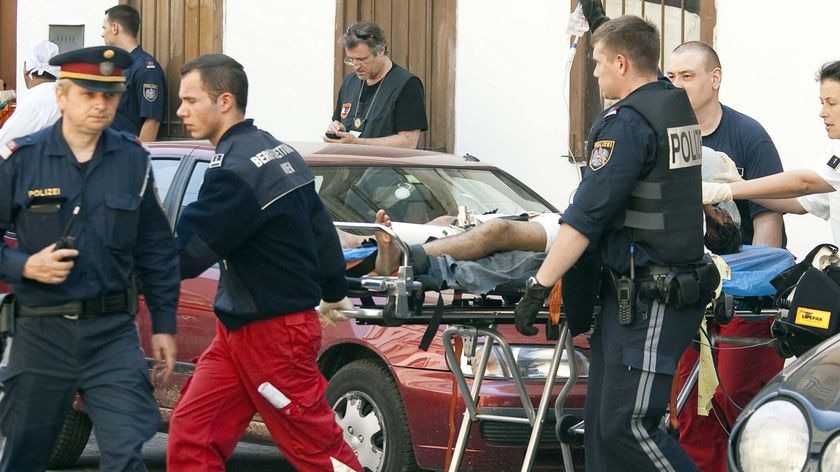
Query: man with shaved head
{"type": "Point", "coordinates": [696, 67]}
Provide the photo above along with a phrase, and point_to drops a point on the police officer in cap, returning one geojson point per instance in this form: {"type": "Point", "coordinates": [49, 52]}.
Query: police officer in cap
{"type": "Point", "coordinates": [646, 231]}
{"type": "Point", "coordinates": [82, 200]}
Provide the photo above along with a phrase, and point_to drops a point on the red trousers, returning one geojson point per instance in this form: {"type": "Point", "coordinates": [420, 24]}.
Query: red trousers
{"type": "Point", "coordinates": [220, 399]}
{"type": "Point", "coordinates": [742, 372]}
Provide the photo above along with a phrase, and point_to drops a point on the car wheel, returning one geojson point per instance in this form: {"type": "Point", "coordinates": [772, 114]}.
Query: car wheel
{"type": "Point", "coordinates": [72, 440]}
{"type": "Point", "coordinates": [369, 409]}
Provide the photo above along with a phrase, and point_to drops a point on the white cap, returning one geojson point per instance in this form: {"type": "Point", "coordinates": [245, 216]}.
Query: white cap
{"type": "Point", "coordinates": [38, 58]}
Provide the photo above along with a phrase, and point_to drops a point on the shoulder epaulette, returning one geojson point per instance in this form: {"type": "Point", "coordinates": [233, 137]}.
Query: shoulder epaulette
{"type": "Point", "coordinates": [131, 138]}
{"type": "Point", "coordinates": [8, 148]}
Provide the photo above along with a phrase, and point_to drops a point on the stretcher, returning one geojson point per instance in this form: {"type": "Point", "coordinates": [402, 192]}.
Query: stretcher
{"type": "Point", "coordinates": [401, 299]}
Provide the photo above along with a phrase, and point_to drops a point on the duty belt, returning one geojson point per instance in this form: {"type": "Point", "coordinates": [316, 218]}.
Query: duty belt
{"type": "Point", "coordinates": [97, 306]}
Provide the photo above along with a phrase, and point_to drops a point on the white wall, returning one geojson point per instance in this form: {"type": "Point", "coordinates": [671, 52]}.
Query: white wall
{"type": "Point", "coordinates": [770, 56]}
{"type": "Point", "coordinates": [509, 105]}
{"type": "Point", "coordinates": [35, 17]}
{"type": "Point", "coordinates": [287, 48]}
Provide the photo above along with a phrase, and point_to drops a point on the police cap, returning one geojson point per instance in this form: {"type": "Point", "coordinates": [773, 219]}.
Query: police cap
{"type": "Point", "coordinates": [97, 68]}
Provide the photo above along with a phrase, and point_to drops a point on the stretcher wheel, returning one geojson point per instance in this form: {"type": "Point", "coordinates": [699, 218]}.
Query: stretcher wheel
{"type": "Point", "coordinates": [564, 431]}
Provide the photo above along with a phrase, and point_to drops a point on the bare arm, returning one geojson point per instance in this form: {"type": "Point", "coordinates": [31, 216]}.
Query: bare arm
{"type": "Point", "coordinates": [782, 205]}
{"type": "Point", "coordinates": [149, 130]}
{"type": "Point", "coordinates": [793, 183]}
{"type": "Point", "coordinates": [767, 229]}
{"type": "Point", "coordinates": [566, 250]}
{"type": "Point", "coordinates": [403, 139]}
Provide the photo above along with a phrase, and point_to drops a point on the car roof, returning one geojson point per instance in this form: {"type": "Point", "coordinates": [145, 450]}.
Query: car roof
{"type": "Point", "coordinates": [330, 154]}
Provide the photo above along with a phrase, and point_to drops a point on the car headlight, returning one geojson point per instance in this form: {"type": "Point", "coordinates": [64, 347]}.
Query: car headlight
{"type": "Point", "coordinates": [532, 362]}
{"type": "Point", "coordinates": [775, 437]}
{"type": "Point", "coordinates": [831, 455]}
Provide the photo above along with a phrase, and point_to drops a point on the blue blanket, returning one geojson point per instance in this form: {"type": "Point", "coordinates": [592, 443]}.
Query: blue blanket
{"type": "Point", "coordinates": [753, 267]}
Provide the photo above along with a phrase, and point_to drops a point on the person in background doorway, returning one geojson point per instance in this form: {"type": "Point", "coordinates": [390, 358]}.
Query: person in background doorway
{"type": "Point", "coordinates": [379, 103]}
{"type": "Point", "coordinates": [142, 105]}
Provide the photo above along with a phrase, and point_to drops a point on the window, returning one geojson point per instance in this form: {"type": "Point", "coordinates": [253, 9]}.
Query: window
{"type": "Point", "coordinates": [164, 169]}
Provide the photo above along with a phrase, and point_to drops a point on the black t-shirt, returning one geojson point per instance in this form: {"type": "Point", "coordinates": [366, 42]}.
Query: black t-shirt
{"type": "Point", "coordinates": [746, 142]}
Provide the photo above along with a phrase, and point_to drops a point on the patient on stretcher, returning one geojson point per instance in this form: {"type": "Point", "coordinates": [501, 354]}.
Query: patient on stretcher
{"type": "Point", "coordinates": [501, 250]}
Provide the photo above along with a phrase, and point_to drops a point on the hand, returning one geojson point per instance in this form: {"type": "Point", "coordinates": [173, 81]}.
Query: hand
{"type": "Point", "coordinates": [526, 310]}
{"type": "Point", "coordinates": [716, 193]}
{"type": "Point", "coordinates": [164, 352]}
{"type": "Point", "coordinates": [50, 265]}
{"type": "Point", "coordinates": [331, 312]}
{"type": "Point", "coordinates": [730, 173]}
{"type": "Point", "coordinates": [593, 10]}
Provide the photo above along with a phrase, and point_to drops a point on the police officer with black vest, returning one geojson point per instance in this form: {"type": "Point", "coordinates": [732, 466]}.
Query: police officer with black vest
{"type": "Point", "coordinates": [379, 103]}
{"type": "Point", "coordinates": [81, 198]}
{"type": "Point", "coordinates": [638, 214]}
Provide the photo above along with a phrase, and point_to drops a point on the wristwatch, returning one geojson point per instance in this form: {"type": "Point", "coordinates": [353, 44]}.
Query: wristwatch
{"type": "Point", "coordinates": [532, 282]}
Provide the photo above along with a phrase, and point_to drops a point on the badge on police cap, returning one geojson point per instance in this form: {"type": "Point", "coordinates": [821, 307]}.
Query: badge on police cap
{"type": "Point", "coordinates": [98, 68]}
{"type": "Point", "coordinates": [601, 154]}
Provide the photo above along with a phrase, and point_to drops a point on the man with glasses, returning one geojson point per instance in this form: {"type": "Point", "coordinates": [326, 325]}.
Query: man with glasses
{"type": "Point", "coordinates": [380, 103]}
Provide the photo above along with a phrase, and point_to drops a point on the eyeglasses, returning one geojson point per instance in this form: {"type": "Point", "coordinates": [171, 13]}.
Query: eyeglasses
{"type": "Point", "coordinates": [352, 61]}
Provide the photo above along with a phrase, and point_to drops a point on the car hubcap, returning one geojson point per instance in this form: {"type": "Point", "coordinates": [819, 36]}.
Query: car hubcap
{"type": "Point", "coordinates": [363, 425]}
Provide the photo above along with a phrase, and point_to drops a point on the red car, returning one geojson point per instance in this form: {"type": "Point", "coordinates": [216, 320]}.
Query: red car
{"type": "Point", "coordinates": [391, 398]}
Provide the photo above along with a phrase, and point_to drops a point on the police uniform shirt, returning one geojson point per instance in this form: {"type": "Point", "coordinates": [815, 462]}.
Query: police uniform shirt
{"type": "Point", "coordinates": [827, 205]}
{"type": "Point", "coordinates": [145, 94]}
{"type": "Point", "coordinates": [747, 143]}
{"type": "Point", "coordinates": [35, 111]}
{"type": "Point", "coordinates": [258, 212]}
{"type": "Point", "coordinates": [624, 151]}
{"type": "Point", "coordinates": [120, 228]}
{"type": "Point", "coordinates": [409, 109]}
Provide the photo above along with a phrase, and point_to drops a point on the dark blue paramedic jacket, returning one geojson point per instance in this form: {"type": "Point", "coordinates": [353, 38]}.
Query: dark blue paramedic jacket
{"type": "Point", "coordinates": [120, 229]}
{"type": "Point", "coordinates": [259, 216]}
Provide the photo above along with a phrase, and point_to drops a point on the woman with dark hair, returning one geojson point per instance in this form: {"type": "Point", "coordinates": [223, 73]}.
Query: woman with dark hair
{"type": "Point", "coordinates": [816, 188]}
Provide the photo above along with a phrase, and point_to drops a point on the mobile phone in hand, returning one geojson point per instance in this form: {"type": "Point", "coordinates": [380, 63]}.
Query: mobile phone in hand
{"type": "Point", "coordinates": [331, 134]}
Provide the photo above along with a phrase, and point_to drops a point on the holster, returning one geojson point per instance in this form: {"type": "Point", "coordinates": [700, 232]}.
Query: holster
{"type": "Point", "coordinates": [692, 286]}
{"type": "Point", "coordinates": [7, 314]}
{"type": "Point", "coordinates": [580, 288]}
{"type": "Point", "coordinates": [678, 286]}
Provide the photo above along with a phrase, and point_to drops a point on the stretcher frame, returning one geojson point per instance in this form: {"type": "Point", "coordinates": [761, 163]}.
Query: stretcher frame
{"type": "Point", "coordinates": [472, 323]}
{"type": "Point", "coordinates": [469, 323]}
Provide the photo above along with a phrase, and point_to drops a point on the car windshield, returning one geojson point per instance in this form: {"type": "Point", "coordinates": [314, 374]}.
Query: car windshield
{"type": "Point", "coordinates": [420, 194]}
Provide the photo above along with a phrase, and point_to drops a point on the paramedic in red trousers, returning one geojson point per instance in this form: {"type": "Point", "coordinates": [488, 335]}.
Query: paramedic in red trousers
{"type": "Point", "coordinates": [258, 215]}
{"type": "Point", "coordinates": [647, 233]}
{"type": "Point", "coordinates": [742, 372]}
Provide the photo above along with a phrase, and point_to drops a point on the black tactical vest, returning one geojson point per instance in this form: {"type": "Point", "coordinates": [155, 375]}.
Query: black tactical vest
{"type": "Point", "coordinates": [665, 212]}
{"type": "Point", "coordinates": [377, 113]}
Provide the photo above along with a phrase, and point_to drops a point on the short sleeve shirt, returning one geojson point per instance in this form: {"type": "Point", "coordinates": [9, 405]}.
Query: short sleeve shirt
{"type": "Point", "coordinates": [827, 205]}
{"type": "Point", "coordinates": [747, 143]}
{"type": "Point", "coordinates": [145, 94]}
